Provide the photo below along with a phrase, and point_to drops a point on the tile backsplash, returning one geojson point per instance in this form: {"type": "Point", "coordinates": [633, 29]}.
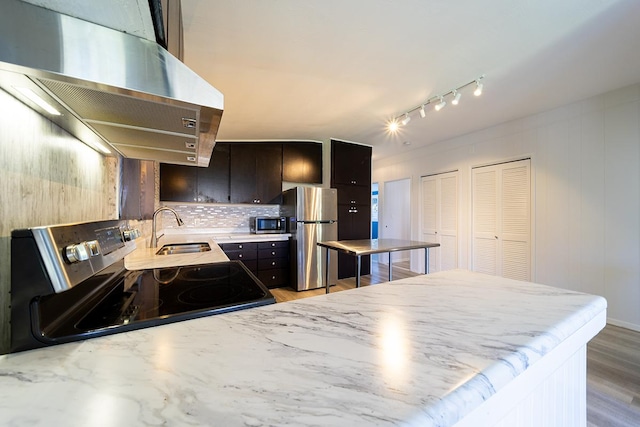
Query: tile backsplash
{"type": "Point", "coordinates": [233, 218]}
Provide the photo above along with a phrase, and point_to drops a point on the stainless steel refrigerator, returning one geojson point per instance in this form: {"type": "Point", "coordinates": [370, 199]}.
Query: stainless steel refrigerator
{"type": "Point", "coordinates": [313, 217]}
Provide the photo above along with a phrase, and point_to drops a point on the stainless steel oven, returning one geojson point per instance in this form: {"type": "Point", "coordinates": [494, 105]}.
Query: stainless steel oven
{"type": "Point", "coordinates": [68, 283]}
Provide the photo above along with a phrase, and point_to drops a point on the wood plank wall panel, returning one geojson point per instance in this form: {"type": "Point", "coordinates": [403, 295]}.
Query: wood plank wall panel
{"type": "Point", "coordinates": [46, 177]}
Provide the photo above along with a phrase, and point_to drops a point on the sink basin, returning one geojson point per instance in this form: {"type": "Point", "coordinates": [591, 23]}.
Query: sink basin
{"type": "Point", "coordinates": [183, 248]}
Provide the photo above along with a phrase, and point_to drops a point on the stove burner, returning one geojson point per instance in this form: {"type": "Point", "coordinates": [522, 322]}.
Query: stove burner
{"type": "Point", "coordinates": [204, 274]}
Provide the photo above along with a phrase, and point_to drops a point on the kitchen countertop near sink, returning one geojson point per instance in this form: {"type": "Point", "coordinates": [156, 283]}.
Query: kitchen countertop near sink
{"type": "Point", "coordinates": [428, 350]}
{"type": "Point", "coordinates": [143, 257]}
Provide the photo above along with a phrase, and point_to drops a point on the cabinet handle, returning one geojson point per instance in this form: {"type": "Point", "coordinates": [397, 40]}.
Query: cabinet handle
{"type": "Point", "coordinates": [273, 277]}
{"type": "Point", "coordinates": [273, 245]}
{"type": "Point", "coordinates": [273, 263]}
{"type": "Point", "coordinates": [239, 246]}
{"type": "Point", "coordinates": [240, 256]}
{"type": "Point", "coordinates": [273, 253]}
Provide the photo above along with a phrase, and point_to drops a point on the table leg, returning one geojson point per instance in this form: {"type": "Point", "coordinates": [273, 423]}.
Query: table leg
{"type": "Point", "coordinates": [390, 268]}
{"type": "Point", "coordinates": [358, 271]}
{"type": "Point", "coordinates": [426, 260]}
{"type": "Point", "coordinates": [326, 269]}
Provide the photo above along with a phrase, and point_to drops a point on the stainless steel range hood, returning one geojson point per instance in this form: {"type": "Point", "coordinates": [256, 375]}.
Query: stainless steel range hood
{"type": "Point", "coordinates": [115, 90]}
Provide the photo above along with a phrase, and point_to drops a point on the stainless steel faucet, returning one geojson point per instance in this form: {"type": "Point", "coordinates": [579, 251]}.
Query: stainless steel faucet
{"type": "Point", "coordinates": [154, 235]}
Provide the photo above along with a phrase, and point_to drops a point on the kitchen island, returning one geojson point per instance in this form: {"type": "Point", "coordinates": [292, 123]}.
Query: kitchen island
{"type": "Point", "coordinates": [431, 350]}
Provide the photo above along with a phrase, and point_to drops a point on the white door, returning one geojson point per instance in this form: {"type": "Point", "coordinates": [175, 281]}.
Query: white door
{"type": "Point", "coordinates": [396, 215]}
{"type": "Point", "coordinates": [440, 219]}
{"type": "Point", "coordinates": [502, 219]}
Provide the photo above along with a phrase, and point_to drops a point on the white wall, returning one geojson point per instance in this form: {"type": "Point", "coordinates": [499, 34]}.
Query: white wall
{"type": "Point", "coordinates": [586, 192]}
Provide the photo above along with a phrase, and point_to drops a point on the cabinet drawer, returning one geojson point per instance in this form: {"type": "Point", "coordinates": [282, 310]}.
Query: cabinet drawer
{"type": "Point", "coordinates": [354, 195]}
{"type": "Point", "coordinates": [269, 264]}
{"type": "Point", "coordinates": [242, 255]}
{"type": "Point", "coordinates": [274, 278]}
{"type": "Point", "coordinates": [251, 264]}
{"type": "Point", "coordinates": [278, 244]}
{"type": "Point", "coordinates": [273, 253]}
{"type": "Point", "coordinates": [239, 246]}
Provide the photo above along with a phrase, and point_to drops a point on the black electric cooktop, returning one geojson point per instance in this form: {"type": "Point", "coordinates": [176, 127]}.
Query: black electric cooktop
{"type": "Point", "coordinates": [144, 298]}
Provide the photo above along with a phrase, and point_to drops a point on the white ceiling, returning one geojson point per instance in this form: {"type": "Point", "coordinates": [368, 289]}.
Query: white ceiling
{"type": "Point", "coordinates": [316, 69]}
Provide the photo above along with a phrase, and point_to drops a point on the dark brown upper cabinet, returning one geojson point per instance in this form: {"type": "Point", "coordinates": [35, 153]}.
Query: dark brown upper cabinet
{"type": "Point", "coordinates": [256, 173]}
{"type": "Point", "coordinates": [213, 181]}
{"type": "Point", "coordinates": [243, 172]}
{"type": "Point", "coordinates": [350, 164]}
{"type": "Point", "coordinates": [195, 184]}
{"type": "Point", "coordinates": [178, 183]}
{"type": "Point", "coordinates": [302, 162]}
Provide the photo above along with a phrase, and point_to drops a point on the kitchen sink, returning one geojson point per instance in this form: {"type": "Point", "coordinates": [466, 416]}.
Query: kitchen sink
{"type": "Point", "coordinates": [183, 248]}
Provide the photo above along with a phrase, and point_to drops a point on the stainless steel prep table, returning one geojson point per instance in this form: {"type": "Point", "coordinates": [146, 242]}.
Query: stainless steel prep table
{"type": "Point", "coordinates": [358, 248]}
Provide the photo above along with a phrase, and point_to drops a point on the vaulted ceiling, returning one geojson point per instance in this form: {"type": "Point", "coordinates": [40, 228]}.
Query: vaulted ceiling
{"type": "Point", "coordinates": [317, 69]}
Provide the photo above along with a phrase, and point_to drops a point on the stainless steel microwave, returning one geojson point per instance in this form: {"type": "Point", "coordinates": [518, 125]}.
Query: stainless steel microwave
{"type": "Point", "coordinates": [267, 224]}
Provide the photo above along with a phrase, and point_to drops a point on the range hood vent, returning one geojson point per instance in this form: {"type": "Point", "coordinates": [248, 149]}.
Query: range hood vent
{"type": "Point", "coordinates": [118, 93]}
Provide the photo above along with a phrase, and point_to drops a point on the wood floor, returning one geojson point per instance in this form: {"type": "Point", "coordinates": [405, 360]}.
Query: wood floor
{"type": "Point", "coordinates": [613, 357]}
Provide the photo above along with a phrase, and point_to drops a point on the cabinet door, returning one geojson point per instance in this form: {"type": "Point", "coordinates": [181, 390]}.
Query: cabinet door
{"type": "Point", "coordinates": [354, 223]}
{"type": "Point", "coordinates": [255, 173]}
{"type": "Point", "coordinates": [351, 164]}
{"type": "Point", "coordinates": [213, 181]}
{"type": "Point", "coordinates": [302, 162]}
{"type": "Point", "coordinates": [502, 220]}
{"type": "Point", "coordinates": [269, 168]}
{"type": "Point", "coordinates": [178, 183]}
{"type": "Point", "coordinates": [440, 219]}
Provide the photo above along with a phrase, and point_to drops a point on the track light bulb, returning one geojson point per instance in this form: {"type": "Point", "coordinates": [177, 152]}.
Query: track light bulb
{"type": "Point", "coordinates": [393, 126]}
{"type": "Point", "coordinates": [479, 87]}
{"type": "Point", "coordinates": [440, 105]}
{"type": "Point", "coordinates": [406, 119]}
{"type": "Point", "coordinates": [422, 112]}
{"type": "Point", "coordinates": [456, 97]}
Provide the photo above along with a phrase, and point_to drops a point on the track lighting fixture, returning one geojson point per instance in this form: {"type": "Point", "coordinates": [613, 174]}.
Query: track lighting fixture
{"type": "Point", "coordinates": [441, 102]}
{"type": "Point", "coordinates": [479, 87]}
{"type": "Point", "coordinates": [456, 97]}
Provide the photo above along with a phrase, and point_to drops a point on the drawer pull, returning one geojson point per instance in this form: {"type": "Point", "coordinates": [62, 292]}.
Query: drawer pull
{"type": "Point", "coordinates": [273, 277]}
{"type": "Point", "coordinates": [239, 246]}
{"type": "Point", "coordinates": [273, 263]}
{"type": "Point", "coordinates": [273, 245]}
{"type": "Point", "coordinates": [240, 256]}
{"type": "Point", "coordinates": [273, 253]}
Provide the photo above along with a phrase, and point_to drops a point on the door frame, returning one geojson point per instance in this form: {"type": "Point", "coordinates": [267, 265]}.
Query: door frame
{"type": "Point", "coordinates": [382, 221]}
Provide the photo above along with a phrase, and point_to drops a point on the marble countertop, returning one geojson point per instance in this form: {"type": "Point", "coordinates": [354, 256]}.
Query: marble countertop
{"type": "Point", "coordinates": [425, 350]}
{"type": "Point", "coordinates": [143, 257]}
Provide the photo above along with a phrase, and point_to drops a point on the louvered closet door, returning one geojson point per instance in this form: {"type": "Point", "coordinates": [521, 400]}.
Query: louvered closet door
{"type": "Point", "coordinates": [502, 220]}
{"type": "Point", "coordinates": [440, 219]}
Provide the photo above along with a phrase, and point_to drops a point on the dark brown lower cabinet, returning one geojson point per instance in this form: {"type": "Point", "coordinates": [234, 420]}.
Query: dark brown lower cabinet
{"type": "Point", "coordinates": [354, 223]}
{"type": "Point", "coordinates": [269, 261]}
